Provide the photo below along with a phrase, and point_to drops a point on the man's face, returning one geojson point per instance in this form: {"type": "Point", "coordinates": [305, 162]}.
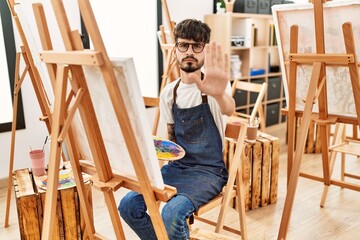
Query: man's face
{"type": "Point", "coordinates": [188, 59]}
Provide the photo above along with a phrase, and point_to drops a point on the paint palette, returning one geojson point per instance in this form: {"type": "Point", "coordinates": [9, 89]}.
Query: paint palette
{"type": "Point", "coordinates": [168, 150]}
{"type": "Point", "coordinates": [66, 180]}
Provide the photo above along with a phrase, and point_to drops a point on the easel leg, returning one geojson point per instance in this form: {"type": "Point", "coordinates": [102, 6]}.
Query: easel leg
{"type": "Point", "coordinates": [300, 145]}
{"type": "Point", "coordinates": [339, 130]}
{"type": "Point", "coordinates": [234, 171]}
{"type": "Point", "coordinates": [241, 203]}
{"type": "Point", "coordinates": [12, 147]}
{"type": "Point", "coordinates": [291, 120]}
{"type": "Point", "coordinates": [55, 152]}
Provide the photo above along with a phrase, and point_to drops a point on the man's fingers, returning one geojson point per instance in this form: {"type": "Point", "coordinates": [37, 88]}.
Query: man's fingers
{"type": "Point", "coordinates": [219, 57]}
{"type": "Point", "coordinates": [226, 63]}
{"type": "Point", "coordinates": [213, 54]}
{"type": "Point", "coordinates": [207, 58]}
{"type": "Point", "coordinates": [195, 78]}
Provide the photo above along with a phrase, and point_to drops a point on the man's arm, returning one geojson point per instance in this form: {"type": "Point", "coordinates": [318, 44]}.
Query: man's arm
{"type": "Point", "coordinates": [226, 104]}
{"type": "Point", "coordinates": [171, 132]}
{"type": "Point", "coordinates": [216, 78]}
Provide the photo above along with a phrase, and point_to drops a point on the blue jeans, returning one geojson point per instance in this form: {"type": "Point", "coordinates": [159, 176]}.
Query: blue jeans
{"type": "Point", "coordinates": [132, 209]}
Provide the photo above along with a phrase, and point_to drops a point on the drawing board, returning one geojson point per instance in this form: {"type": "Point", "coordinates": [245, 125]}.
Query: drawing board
{"type": "Point", "coordinates": [110, 128]}
{"type": "Point", "coordinates": [339, 91]}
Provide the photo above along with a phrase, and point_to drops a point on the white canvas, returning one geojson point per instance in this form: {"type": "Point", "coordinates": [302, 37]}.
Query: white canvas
{"type": "Point", "coordinates": [110, 129]}
{"type": "Point", "coordinates": [109, 126]}
{"type": "Point", "coordinates": [339, 91]}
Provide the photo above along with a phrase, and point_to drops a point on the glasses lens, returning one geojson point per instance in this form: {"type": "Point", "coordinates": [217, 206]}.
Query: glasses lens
{"type": "Point", "coordinates": [197, 47]}
{"type": "Point", "coordinates": [182, 46]}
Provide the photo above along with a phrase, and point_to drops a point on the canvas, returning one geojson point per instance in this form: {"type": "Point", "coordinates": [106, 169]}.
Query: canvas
{"type": "Point", "coordinates": [110, 130]}
{"type": "Point", "coordinates": [338, 81]}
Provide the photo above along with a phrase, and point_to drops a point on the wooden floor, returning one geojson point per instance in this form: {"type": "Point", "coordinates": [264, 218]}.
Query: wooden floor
{"type": "Point", "coordinates": [339, 219]}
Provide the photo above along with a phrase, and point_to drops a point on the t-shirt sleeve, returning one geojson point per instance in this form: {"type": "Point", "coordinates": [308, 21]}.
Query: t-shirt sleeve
{"type": "Point", "coordinates": [166, 101]}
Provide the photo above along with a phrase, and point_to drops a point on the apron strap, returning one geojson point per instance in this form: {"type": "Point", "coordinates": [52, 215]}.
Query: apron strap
{"type": "Point", "coordinates": [175, 89]}
{"type": "Point", "coordinates": [203, 96]}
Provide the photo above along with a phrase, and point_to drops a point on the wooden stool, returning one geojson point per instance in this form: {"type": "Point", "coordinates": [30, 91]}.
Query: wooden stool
{"type": "Point", "coordinates": [30, 201]}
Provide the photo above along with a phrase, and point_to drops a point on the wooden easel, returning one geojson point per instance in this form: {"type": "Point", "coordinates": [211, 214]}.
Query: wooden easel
{"type": "Point", "coordinates": [34, 75]}
{"type": "Point", "coordinates": [316, 92]}
{"type": "Point", "coordinates": [104, 179]}
{"type": "Point", "coordinates": [171, 69]}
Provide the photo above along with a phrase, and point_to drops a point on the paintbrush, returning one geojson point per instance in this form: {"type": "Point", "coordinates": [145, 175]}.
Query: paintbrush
{"type": "Point", "coordinates": [44, 143]}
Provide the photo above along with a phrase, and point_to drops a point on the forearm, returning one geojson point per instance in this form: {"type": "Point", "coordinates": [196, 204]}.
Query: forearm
{"type": "Point", "coordinates": [226, 104]}
{"type": "Point", "coordinates": [171, 132]}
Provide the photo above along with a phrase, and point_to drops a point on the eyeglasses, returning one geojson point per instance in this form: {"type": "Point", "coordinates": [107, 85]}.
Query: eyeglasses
{"type": "Point", "coordinates": [184, 46]}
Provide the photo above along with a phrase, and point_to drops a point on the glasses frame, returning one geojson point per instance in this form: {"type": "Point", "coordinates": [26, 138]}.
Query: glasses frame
{"type": "Point", "coordinates": [192, 46]}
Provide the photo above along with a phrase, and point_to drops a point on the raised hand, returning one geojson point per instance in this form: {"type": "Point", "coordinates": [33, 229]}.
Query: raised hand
{"type": "Point", "coordinates": [216, 67]}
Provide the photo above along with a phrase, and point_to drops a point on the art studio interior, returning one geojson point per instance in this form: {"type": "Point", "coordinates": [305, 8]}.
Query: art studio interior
{"type": "Point", "coordinates": [219, 119]}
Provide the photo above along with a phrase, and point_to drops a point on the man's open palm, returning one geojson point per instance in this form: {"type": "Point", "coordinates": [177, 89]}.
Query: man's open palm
{"type": "Point", "coordinates": [216, 66]}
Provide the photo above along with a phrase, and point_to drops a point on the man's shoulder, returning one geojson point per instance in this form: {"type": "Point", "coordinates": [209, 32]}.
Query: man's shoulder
{"type": "Point", "coordinates": [172, 84]}
{"type": "Point", "coordinates": [169, 87]}
{"type": "Point", "coordinates": [167, 91]}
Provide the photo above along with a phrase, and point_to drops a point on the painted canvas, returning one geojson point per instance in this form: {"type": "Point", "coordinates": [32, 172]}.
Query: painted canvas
{"type": "Point", "coordinates": [336, 13]}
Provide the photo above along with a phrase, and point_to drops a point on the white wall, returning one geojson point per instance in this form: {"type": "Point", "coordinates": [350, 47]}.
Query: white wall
{"type": "Point", "coordinates": [183, 9]}
{"type": "Point", "coordinates": [129, 29]}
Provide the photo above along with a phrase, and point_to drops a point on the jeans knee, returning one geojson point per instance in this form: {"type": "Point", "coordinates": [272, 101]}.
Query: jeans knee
{"type": "Point", "coordinates": [132, 206]}
{"type": "Point", "coordinates": [174, 215]}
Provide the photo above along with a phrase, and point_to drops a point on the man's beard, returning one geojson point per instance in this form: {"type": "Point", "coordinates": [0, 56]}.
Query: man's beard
{"type": "Point", "coordinates": [190, 67]}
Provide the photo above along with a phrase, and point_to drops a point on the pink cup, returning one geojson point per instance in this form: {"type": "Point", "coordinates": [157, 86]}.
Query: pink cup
{"type": "Point", "coordinates": [37, 162]}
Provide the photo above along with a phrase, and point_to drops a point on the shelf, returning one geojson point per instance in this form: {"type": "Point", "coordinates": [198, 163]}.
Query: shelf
{"type": "Point", "coordinates": [259, 51]}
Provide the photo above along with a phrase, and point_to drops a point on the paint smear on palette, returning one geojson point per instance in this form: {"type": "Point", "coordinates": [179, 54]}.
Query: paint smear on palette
{"type": "Point", "coordinates": [168, 150]}
{"type": "Point", "coordinates": [66, 179]}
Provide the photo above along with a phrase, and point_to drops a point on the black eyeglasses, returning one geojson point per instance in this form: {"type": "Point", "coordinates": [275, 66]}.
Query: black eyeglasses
{"type": "Point", "coordinates": [184, 46]}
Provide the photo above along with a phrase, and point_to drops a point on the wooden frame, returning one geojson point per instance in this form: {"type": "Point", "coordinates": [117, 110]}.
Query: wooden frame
{"type": "Point", "coordinates": [35, 78]}
{"type": "Point", "coordinates": [342, 144]}
{"type": "Point", "coordinates": [315, 93]}
{"type": "Point", "coordinates": [258, 109]}
{"type": "Point", "coordinates": [170, 68]}
{"type": "Point", "coordinates": [235, 133]}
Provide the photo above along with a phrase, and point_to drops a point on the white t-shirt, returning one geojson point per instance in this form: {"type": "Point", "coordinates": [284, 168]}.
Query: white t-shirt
{"type": "Point", "coordinates": [188, 95]}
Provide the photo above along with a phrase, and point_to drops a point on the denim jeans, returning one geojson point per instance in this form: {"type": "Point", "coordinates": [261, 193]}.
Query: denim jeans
{"type": "Point", "coordinates": [132, 209]}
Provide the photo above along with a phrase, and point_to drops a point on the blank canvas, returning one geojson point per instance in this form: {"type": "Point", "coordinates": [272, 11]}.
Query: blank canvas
{"type": "Point", "coordinates": [109, 126]}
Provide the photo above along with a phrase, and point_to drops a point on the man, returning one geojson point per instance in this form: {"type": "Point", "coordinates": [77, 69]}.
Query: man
{"type": "Point", "coordinates": [193, 108]}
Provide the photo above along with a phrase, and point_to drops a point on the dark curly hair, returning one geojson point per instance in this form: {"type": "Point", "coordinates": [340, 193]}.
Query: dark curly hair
{"type": "Point", "coordinates": [192, 29]}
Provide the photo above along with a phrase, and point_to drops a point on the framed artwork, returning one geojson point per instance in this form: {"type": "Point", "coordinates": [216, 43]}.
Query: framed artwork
{"type": "Point", "coordinates": [7, 72]}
